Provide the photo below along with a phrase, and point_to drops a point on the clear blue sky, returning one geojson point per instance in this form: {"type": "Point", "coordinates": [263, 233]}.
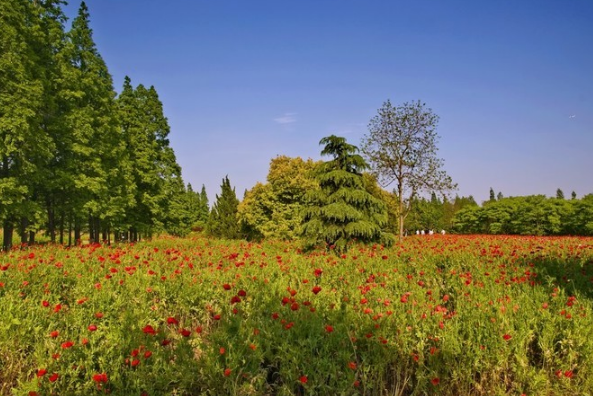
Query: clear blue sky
{"type": "Point", "coordinates": [246, 80]}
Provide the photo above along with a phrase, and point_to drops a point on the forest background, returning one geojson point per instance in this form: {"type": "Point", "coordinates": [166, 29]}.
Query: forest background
{"type": "Point", "coordinates": [78, 159]}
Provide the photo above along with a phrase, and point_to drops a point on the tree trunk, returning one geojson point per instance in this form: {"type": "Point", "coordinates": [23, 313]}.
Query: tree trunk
{"type": "Point", "coordinates": [400, 193]}
{"type": "Point", "coordinates": [77, 232]}
{"type": "Point", "coordinates": [62, 228]}
{"type": "Point", "coordinates": [23, 230]}
{"type": "Point", "coordinates": [51, 222]}
{"type": "Point", "coordinates": [7, 236]}
{"type": "Point", "coordinates": [69, 232]}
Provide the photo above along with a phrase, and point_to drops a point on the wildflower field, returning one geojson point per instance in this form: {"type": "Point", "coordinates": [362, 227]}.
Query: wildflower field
{"type": "Point", "coordinates": [434, 315]}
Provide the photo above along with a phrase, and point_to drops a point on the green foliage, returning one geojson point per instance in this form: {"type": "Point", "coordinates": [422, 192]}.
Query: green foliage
{"type": "Point", "coordinates": [69, 152]}
{"type": "Point", "coordinates": [401, 148]}
{"type": "Point", "coordinates": [341, 210]}
{"type": "Point", "coordinates": [223, 222]}
{"type": "Point", "coordinates": [273, 210]}
{"type": "Point", "coordinates": [24, 147]}
{"type": "Point", "coordinates": [530, 215]}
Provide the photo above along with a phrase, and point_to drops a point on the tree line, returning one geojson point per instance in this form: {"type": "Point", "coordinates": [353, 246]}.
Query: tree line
{"type": "Point", "coordinates": [74, 155]}
{"type": "Point", "coordinates": [528, 215]}
{"type": "Point", "coordinates": [77, 157]}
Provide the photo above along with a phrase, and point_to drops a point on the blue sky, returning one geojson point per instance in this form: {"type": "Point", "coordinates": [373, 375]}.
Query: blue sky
{"type": "Point", "coordinates": [246, 80]}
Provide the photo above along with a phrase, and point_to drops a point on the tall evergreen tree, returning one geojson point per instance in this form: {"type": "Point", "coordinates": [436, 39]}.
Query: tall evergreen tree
{"type": "Point", "coordinates": [341, 210]}
{"type": "Point", "coordinates": [492, 195]}
{"type": "Point", "coordinates": [24, 146]}
{"type": "Point", "coordinates": [204, 206]}
{"type": "Point", "coordinates": [559, 194]}
{"type": "Point", "coordinates": [223, 221]}
{"type": "Point", "coordinates": [155, 172]}
{"type": "Point", "coordinates": [97, 144]}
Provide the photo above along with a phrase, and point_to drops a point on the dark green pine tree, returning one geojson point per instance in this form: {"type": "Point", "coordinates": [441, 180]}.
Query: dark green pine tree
{"type": "Point", "coordinates": [559, 194]}
{"type": "Point", "coordinates": [492, 195]}
{"type": "Point", "coordinates": [342, 210]}
{"type": "Point", "coordinates": [223, 222]}
{"type": "Point", "coordinates": [204, 206]}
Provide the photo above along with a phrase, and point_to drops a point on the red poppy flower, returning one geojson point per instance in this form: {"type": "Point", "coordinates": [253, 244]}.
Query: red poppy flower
{"type": "Point", "coordinates": [92, 328]}
{"type": "Point", "coordinates": [100, 378]}
{"type": "Point", "coordinates": [435, 381]}
{"type": "Point", "coordinates": [316, 289]}
{"type": "Point", "coordinates": [329, 328]}
{"type": "Point", "coordinates": [303, 379]}
{"type": "Point", "coordinates": [54, 377]}
{"type": "Point", "coordinates": [45, 303]}
{"type": "Point", "coordinates": [352, 365]}
{"type": "Point", "coordinates": [148, 329]}
{"type": "Point", "coordinates": [242, 293]}
{"type": "Point", "coordinates": [172, 321]}
{"type": "Point", "coordinates": [185, 332]}
{"type": "Point", "coordinates": [227, 372]}
{"type": "Point", "coordinates": [507, 337]}
{"type": "Point", "coordinates": [226, 286]}
{"type": "Point", "coordinates": [54, 334]}
{"type": "Point", "coordinates": [135, 362]}
{"type": "Point", "coordinates": [99, 315]}
{"type": "Point", "coordinates": [294, 306]}
{"type": "Point", "coordinates": [67, 344]}
{"type": "Point", "coordinates": [147, 354]}
{"type": "Point", "coordinates": [41, 372]}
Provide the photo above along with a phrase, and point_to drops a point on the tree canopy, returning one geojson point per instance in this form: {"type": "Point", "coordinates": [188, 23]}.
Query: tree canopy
{"type": "Point", "coordinates": [341, 210]}
{"type": "Point", "coordinates": [401, 148]}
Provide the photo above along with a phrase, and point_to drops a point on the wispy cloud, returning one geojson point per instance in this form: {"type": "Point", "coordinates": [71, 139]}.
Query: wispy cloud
{"type": "Point", "coordinates": [287, 118]}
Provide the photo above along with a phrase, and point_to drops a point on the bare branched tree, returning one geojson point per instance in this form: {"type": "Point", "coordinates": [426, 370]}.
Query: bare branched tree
{"type": "Point", "coordinates": [401, 148]}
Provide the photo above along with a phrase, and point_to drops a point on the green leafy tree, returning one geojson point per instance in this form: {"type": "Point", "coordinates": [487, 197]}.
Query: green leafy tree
{"type": "Point", "coordinates": [341, 210]}
{"type": "Point", "coordinates": [573, 195]}
{"type": "Point", "coordinates": [401, 148]}
{"type": "Point", "coordinates": [155, 173]}
{"type": "Point", "coordinates": [24, 146]}
{"type": "Point", "coordinates": [273, 209]}
{"type": "Point", "coordinates": [97, 144]}
{"type": "Point", "coordinates": [44, 182]}
{"type": "Point", "coordinates": [223, 222]}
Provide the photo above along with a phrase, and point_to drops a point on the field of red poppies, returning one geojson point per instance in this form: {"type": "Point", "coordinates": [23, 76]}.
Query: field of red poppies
{"type": "Point", "coordinates": [435, 315]}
